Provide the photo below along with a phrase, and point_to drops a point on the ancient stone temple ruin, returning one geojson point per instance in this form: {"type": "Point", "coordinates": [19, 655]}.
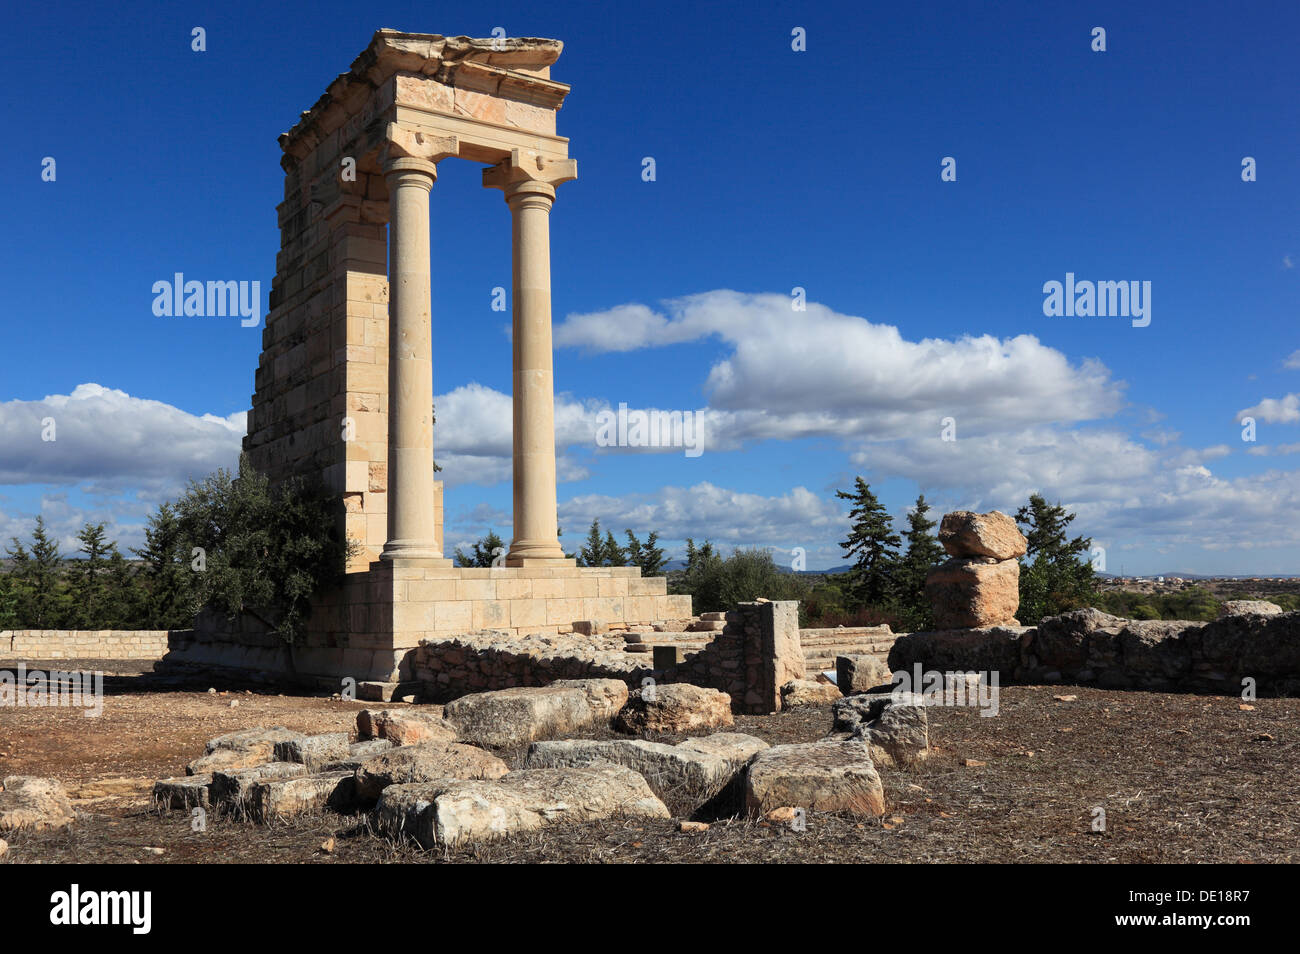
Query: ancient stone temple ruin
{"type": "Point", "coordinates": [344, 387]}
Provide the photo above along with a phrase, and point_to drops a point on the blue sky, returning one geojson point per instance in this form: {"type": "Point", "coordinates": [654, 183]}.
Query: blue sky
{"type": "Point", "coordinates": [775, 169]}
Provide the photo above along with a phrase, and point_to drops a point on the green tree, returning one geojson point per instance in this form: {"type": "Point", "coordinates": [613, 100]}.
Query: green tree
{"type": "Point", "coordinates": [922, 555]}
{"type": "Point", "coordinates": [167, 580]}
{"type": "Point", "coordinates": [9, 602]}
{"type": "Point", "coordinates": [601, 550]}
{"type": "Point", "coordinates": [262, 552]}
{"type": "Point", "coordinates": [484, 551]}
{"type": "Point", "coordinates": [87, 587]}
{"type": "Point", "coordinates": [648, 555]}
{"type": "Point", "coordinates": [873, 544]}
{"type": "Point", "coordinates": [36, 576]}
{"type": "Point", "coordinates": [1053, 576]}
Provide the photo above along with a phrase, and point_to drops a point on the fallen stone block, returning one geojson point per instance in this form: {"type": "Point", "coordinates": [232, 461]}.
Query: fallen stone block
{"type": "Point", "coordinates": [860, 672]}
{"type": "Point", "coordinates": [29, 802]}
{"type": "Point", "coordinates": [232, 790]}
{"type": "Point", "coordinates": [453, 813]}
{"type": "Point", "coordinates": [894, 726]}
{"type": "Point", "coordinates": [815, 776]}
{"type": "Point", "coordinates": [964, 533]}
{"type": "Point", "coordinates": [605, 696]}
{"type": "Point", "coordinates": [240, 750]}
{"type": "Point", "coordinates": [386, 691]}
{"type": "Point", "coordinates": [1249, 607]}
{"type": "Point", "coordinates": [687, 777]}
{"type": "Point", "coordinates": [186, 791]}
{"type": "Point", "coordinates": [808, 692]}
{"type": "Point", "coordinates": [404, 726]}
{"type": "Point", "coordinates": [510, 718]}
{"type": "Point", "coordinates": [358, 754]}
{"type": "Point", "coordinates": [425, 763]}
{"type": "Point", "coordinates": [675, 708]}
{"type": "Point", "coordinates": [287, 798]}
{"type": "Point", "coordinates": [314, 751]}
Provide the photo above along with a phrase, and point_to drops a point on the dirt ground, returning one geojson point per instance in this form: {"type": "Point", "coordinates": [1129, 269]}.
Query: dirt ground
{"type": "Point", "coordinates": [1181, 778]}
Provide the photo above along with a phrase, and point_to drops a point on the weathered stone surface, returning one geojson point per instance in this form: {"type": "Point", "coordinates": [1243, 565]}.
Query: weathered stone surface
{"type": "Point", "coordinates": [286, 798]}
{"type": "Point", "coordinates": [508, 718]}
{"type": "Point", "coordinates": [894, 726]}
{"type": "Point", "coordinates": [465, 811]}
{"type": "Point", "coordinates": [860, 673]}
{"type": "Point", "coordinates": [373, 691]}
{"type": "Point", "coordinates": [965, 533]}
{"type": "Point", "coordinates": [1246, 607]}
{"type": "Point", "coordinates": [29, 802]}
{"type": "Point", "coordinates": [244, 749]}
{"type": "Point", "coordinates": [605, 696]}
{"type": "Point", "coordinates": [808, 692]}
{"type": "Point", "coordinates": [676, 707]}
{"type": "Point", "coordinates": [186, 791]}
{"type": "Point", "coordinates": [425, 763]}
{"type": "Point", "coordinates": [233, 789]}
{"type": "Point", "coordinates": [404, 726]}
{"type": "Point", "coordinates": [973, 592]}
{"type": "Point", "coordinates": [314, 751]}
{"type": "Point", "coordinates": [993, 649]}
{"type": "Point", "coordinates": [685, 776]}
{"type": "Point", "coordinates": [827, 776]}
{"type": "Point", "coordinates": [4, 847]}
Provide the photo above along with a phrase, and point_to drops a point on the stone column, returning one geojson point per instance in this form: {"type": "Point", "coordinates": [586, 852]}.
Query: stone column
{"type": "Point", "coordinates": [528, 182]}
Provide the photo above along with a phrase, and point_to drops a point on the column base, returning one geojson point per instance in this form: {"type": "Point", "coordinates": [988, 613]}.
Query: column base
{"type": "Point", "coordinates": [538, 553]}
{"type": "Point", "coordinates": [413, 552]}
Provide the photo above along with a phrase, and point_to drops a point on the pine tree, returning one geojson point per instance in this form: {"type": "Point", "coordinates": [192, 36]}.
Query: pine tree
{"type": "Point", "coordinates": [611, 553]}
{"type": "Point", "coordinates": [485, 552]}
{"type": "Point", "coordinates": [923, 554]}
{"type": "Point", "coordinates": [648, 556]}
{"type": "Point", "coordinates": [38, 574]}
{"type": "Point", "coordinates": [1053, 577]}
{"type": "Point", "coordinates": [167, 578]}
{"type": "Point", "coordinates": [86, 578]}
{"type": "Point", "coordinates": [874, 544]}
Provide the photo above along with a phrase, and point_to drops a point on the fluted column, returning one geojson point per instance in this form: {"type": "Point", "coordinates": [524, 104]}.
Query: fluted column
{"type": "Point", "coordinates": [411, 532]}
{"type": "Point", "coordinates": [529, 187]}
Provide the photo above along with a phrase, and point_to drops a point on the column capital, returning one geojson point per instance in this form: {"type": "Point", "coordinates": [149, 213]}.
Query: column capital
{"type": "Point", "coordinates": [527, 172]}
{"type": "Point", "coordinates": [406, 145]}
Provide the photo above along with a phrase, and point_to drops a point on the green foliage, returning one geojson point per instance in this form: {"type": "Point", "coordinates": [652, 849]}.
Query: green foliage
{"type": "Point", "coordinates": [601, 550]}
{"type": "Point", "coordinates": [1194, 603]}
{"type": "Point", "coordinates": [166, 581]}
{"type": "Point", "coordinates": [1053, 576]}
{"type": "Point", "coordinates": [923, 554]}
{"type": "Point", "coordinates": [648, 555]}
{"type": "Point", "coordinates": [263, 552]}
{"type": "Point", "coordinates": [35, 577]}
{"type": "Point", "coordinates": [874, 545]}
{"type": "Point", "coordinates": [484, 552]}
{"type": "Point", "coordinates": [716, 584]}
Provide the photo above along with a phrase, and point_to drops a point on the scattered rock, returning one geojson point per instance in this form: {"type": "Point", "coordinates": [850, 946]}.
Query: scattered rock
{"type": "Point", "coordinates": [1070, 698]}
{"type": "Point", "coordinates": [404, 726]}
{"type": "Point", "coordinates": [973, 763]}
{"type": "Point", "coordinates": [676, 708]}
{"type": "Point", "coordinates": [327, 846]}
{"type": "Point", "coordinates": [454, 812]}
{"type": "Point", "coordinates": [27, 801]}
{"type": "Point", "coordinates": [245, 749]}
{"type": "Point", "coordinates": [783, 815]}
{"type": "Point", "coordinates": [4, 847]}
{"type": "Point", "coordinates": [894, 726]}
{"type": "Point", "coordinates": [154, 851]}
{"type": "Point", "coordinates": [425, 763]}
{"type": "Point", "coordinates": [808, 692]}
{"type": "Point", "coordinates": [692, 826]}
{"type": "Point", "coordinates": [816, 776]}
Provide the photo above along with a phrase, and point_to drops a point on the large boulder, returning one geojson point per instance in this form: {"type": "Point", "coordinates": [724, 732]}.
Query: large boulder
{"type": "Point", "coordinates": [456, 812]}
{"type": "Point", "coordinates": [510, 718]}
{"type": "Point", "coordinates": [974, 591]}
{"type": "Point", "coordinates": [687, 776]}
{"type": "Point", "coordinates": [860, 672]}
{"type": "Point", "coordinates": [424, 763]}
{"type": "Point", "coordinates": [675, 708]}
{"type": "Point", "coordinates": [964, 533]}
{"type": "Point", "coordinates": [404, 726]}
{"type": "Point", "coordinates": [828, 776]}
{"type": "Point", "coordinates": [27, 801]}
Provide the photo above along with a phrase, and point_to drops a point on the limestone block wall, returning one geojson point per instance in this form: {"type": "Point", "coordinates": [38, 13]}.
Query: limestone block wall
{"type": "Point", "coordinates": [83, 644]}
